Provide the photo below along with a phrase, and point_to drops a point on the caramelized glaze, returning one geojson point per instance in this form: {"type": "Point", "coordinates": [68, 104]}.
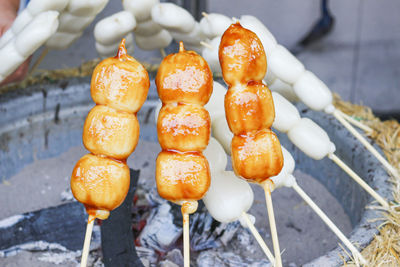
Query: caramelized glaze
{"type": "Point", "coordinates": [249, 108]}
{"type": "Point", "coordinates": [184, 84]}
{"type": "Point", "coordinates": [184, 77]}
{"type": "Point", "coordinates": [241, 55]}
{"type": "Point", "coordinates": [111, 131]}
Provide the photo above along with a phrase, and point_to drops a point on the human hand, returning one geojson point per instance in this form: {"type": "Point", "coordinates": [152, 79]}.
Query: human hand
{"type": "Point", "coordinates": [8, 13]}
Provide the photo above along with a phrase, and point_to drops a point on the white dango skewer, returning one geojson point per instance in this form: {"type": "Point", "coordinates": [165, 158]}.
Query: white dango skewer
{"type": "Point", "coordinates": [310, 90]}
{"type": "Point", "coordinates": [214, 24]}
{"type": "Point", "coordinates": [210, 54]}
{"type": "Point", "coordinates": [76, 17]}
{"type": "Point", "coordinates": [148, 34]}
{"type": "Point", "coordinates": [286, 178]}
{"type": "Point", "coordinates": [34, 8]}
{"type": "Point", "coordinates": [302, 132]}
{"type": "Point", "coordinates": [109, 31]}
{"type": "Point", "coordinates": [229, 198]}
{"type": "Point", "coordinates": [27, 41]}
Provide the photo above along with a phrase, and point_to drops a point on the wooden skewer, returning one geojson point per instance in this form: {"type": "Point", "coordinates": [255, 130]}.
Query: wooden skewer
{"type": "Point", "coordinates": [207, 45]}
{"type": "Point", "coordinates": [371, 149]}
{"type": "Point", "coordinates": [204, 14]}
{"type": "Point", "coordinates": [329, 223]}
{"type": "Point", "coordinates": [272, 224]}
{"type": "Point", "coordinates": [356, 123]}
{"type": "Point", "coordinates": [162, 52]}
{"type": "Point", "coordinates": [358, 179]}
{"type": "Point", "coordinates": [186, 243]}
{"type": "Point", "coordinates": [39, 60]}
{"type": "Point", "coordinates": [258, 237]}
{"type": "Point", "coordinates": [86, 244]}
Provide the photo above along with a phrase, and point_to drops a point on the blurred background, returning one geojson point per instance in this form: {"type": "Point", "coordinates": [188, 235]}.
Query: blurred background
{"type": "Point", "coordinates": [358, 57]}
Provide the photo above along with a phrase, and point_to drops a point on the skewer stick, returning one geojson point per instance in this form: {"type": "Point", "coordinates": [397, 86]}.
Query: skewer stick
{"type": "Point", "coordinates": [356, 123]}
{"type": "Point", "coordinates": [207, 45]}
{"type": "Point", "coordinates": [370, 148]}
{"type": "Point", "coordinates": [86, 244]}
{"type": "Point", "coordinates": [329, 223]}
{"type": "Point", "coordinates": [258, 237]}
{"type": "Point", "coordinates": [39, 60]}
{"type": "Point", "coordinates": [358, 179]}
{"type": "Point", "coordinates": [204, 14]}
{"type": "Point", "coordinates": [162, 51]}
{"type": "Point", "coordinates": [272, 224]}
{"type": "Point", "coordinates": [186, 244]}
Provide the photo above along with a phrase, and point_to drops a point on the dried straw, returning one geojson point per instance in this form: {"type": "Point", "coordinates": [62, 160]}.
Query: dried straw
{"type": "Point", "coordinates": [384, 250]}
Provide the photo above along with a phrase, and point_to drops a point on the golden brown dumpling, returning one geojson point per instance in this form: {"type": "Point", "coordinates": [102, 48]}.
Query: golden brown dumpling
{"type": "Point", "coordinates": [183, 127]}
{"type": "Point", "coordinates": [249, 108]}
{"type": "Point", "coordinates": [182, 176]}
{"type": "Point", "coordinates": [184, 77]}
{"type": "Point", "coordinates": [257, 155]}
{"type": "Point", "coordinates": [242, 56]}
{"type": "Point", "coordinates": [111, 133]}
{"type": "Point", "coordinates": [100, 183]}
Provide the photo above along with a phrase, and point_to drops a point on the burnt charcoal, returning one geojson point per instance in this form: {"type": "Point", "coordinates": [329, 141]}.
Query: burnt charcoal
{"type": "Point", "coordinates": [64, 225]}
{"type": "Point", "coordinates": [116, 232]}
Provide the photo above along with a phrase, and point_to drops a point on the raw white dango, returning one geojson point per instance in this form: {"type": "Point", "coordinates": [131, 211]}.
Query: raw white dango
{"type": "Point", "coordinates": [33, 8]}
{"type": "Point", "coordinates": [311, 139]}
{"type": "Point", "coordinates": [285, 89]}
{"type": "Point", "coordinates": [285, 177]}
{"type": "Point", "coordinates": [141, 9]}
{"type": "Point", "coordinates": [62, 40]}
{"type": "Point", "coordinates": [173, 17]}
{"type": "Point", "coordinates": [211, 55]}
{"type": "Point", "coordinates": [73, 24]}
{"type": "Point", "coordinates": [313, 92]}
{"type": "Point", "coordinates": [36, 33]}
{"type": "Point", "coordinates": [111, 50]}
{"type": "Point", "coordinates": [216, 156]}
{"type": "Point", "coordinates": [285, 65]}
{"type": "Point", "coordinates": [215, 105]}
{"type": "Point", "coordinates": [286, 114]}
{"type": "Point", "coordinates": [267, 39]}
{"type": "Point", "coordinates": [26, 42]}
{"type": "Point", "coordinates": [10, 59]}
{"type": "Point", "coordinates": [86, 8]}
{"type": "Point", "coordinates": [110, 30]}
{"type": "Point", "coordinates": [192, 38]}
{"type": "Point", "coordinates": [220, 130]}
{"type": "Point", "coordinates": [228, 197]}
{"type": "Point", "coordinates": [147, 28]}
{"type": "Point", "coordinates": [157, 41]}
{"type": "Point", "coordinates": [214, 24]}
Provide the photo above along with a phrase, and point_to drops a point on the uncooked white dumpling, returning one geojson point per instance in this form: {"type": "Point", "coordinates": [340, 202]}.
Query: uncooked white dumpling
{"type": "Point", "coordinates": [141, 9]}
{"type": "Point", "coordinates": [86, 7]}
{"type": "Point", "coordinates": [211, 55]}
{"type": "Point", "coordinates": [285, 177]}
{"type": "Point", "coordinates": [153, 42]}
{"type": "Point", "coordinates": [73, 24]}
{"type": "Point", "coordinates": [192, 38]}
{"type": "Point", "coordinates": [215, 105]}
{"type": "Point", "coordinates": [285, 65]}
{"type": "Point", "coordinates": [220, 130]}
{"type": "Point", "coordinates": [310, 138]}
{"type": "Point", "coordinates": [286, 114]}
{"type": "Point", "coordinates": [313, 92]}
{"type": "Point", "coordinates": [147, 28]}
{"type": "Point", "coordinates": [111, 29]}
{"type": "Point", "coordinates": [62, 40]}
{"type": "Point", "coordinates": [228, 197]}
{"type": "Point", "coordinates": [173, 17]}
{"type": "Point", "coordinates": [216, 156]}
{"type": "Point", "coordinates": [214, 24]}
{"type": "Point", "coordinates": [284, 89]}
{"type": "Point", "coordinates": [111, 50]}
